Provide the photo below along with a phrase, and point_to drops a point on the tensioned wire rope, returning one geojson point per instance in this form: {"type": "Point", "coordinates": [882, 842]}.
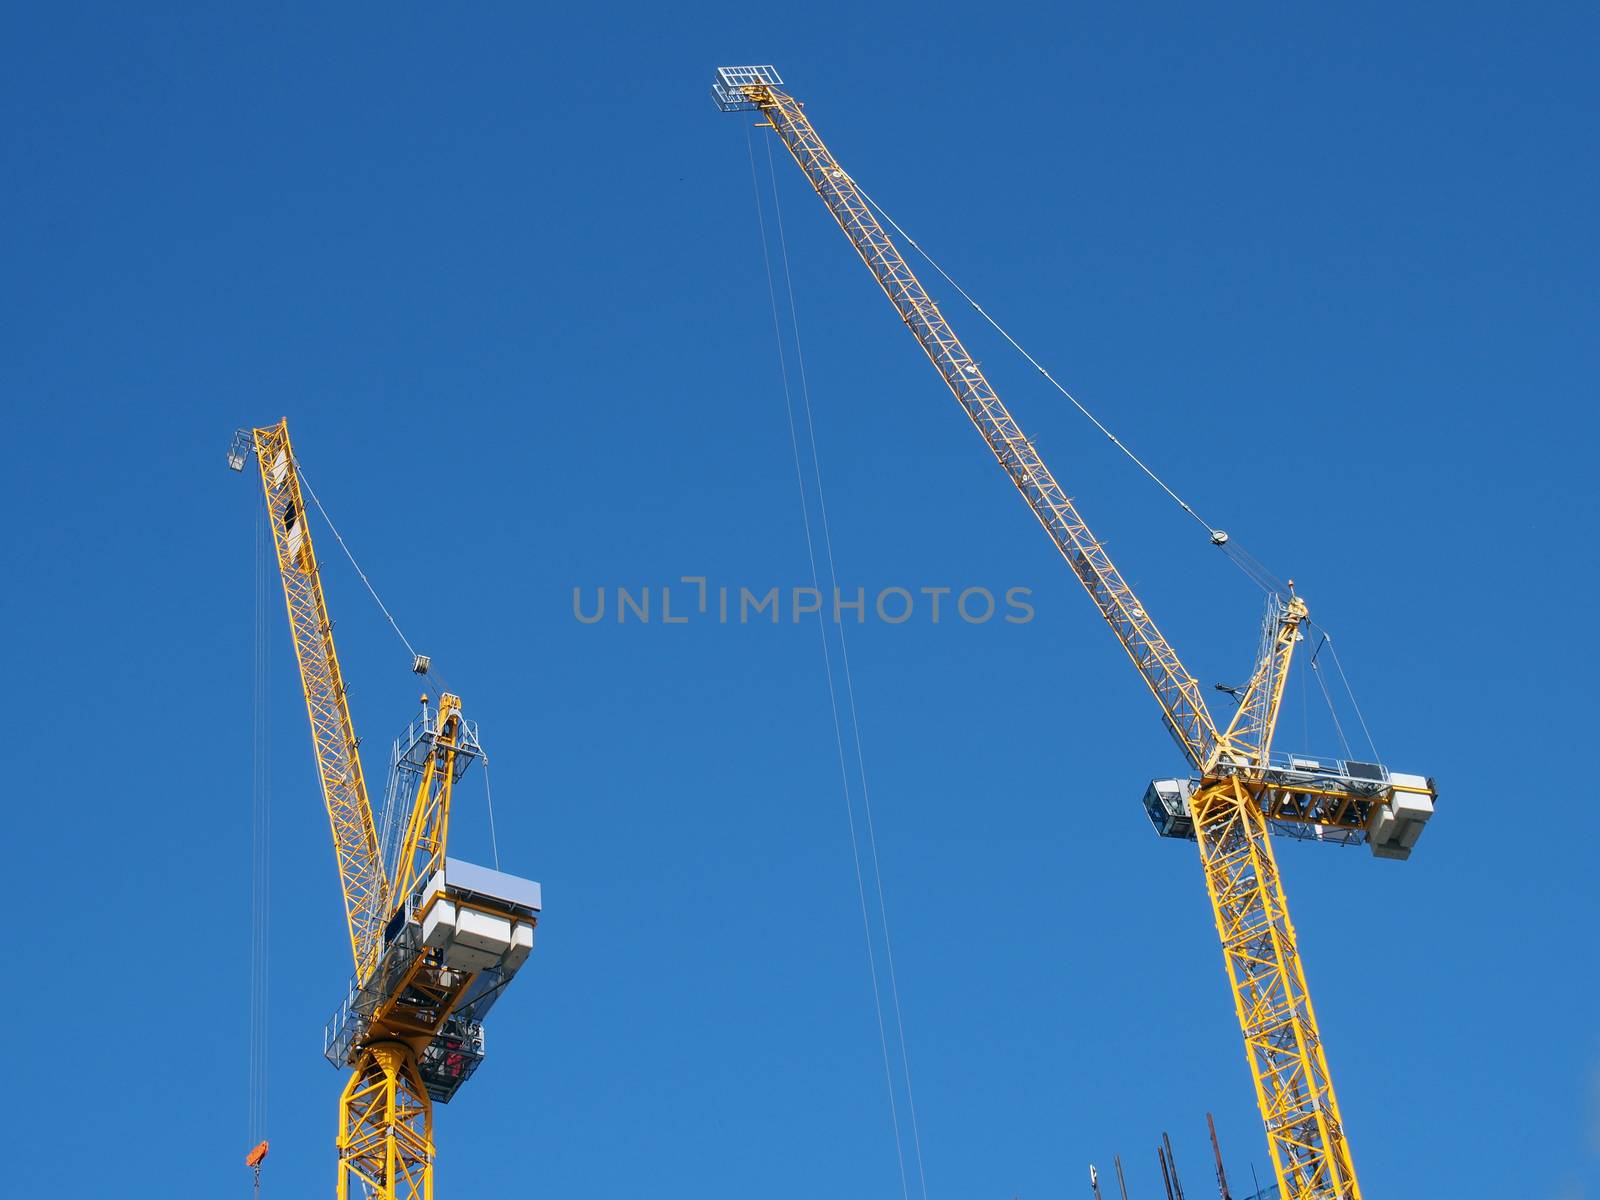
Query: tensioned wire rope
{"type": "Point", "coordinates": [1242, 558]}
{"type": "Point", "coordinates": [1252, 568]}
{"type": "Point", "coordinates": [432, 677]}
{"type": "Point", "coordinates": [833, 693]}
{"type": "Point", "coordinates": [849, 682]}
{"type": "Point", "coordinates": [260, 843]}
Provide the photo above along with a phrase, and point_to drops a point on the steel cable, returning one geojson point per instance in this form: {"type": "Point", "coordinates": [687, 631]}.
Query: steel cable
{"type": "Point", "coordinates": [833, 698]}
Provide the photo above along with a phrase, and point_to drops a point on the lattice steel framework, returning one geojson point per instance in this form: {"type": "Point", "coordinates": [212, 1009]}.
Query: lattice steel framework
{"type": "Point", "coordinates": [1238, 793]}
{"type": "Point", "coordinates": [1173, 687]}
{"type": "Point", "coordinates": [385, 1113]}
{"type": "Point", "coordinates": [1249, 735]}
{"type": "Point", "coordinates": [422, 851]}
{"type": "Point", "coordinates": [344, 789]}
{"type": "Point", "coordinates": [385, 1128]}
{"type": "Point", "coordinates": [1287, 1062]}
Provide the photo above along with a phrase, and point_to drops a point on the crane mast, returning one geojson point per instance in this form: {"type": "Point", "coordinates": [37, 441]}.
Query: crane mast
{"type": "Point", "coordinates": [434, 940]}
{"type": "Point", "coordinates": [1240, 790]}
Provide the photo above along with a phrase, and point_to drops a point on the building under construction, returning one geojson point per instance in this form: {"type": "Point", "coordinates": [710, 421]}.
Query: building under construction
{"type": "Point", "coordinates": [1115, 1183]}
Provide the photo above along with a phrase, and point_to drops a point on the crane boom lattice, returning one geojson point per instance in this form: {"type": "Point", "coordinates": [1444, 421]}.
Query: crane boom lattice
{"type": "Point", "coordinates": [1173, 687]}
{"type": "Point", "coordinates": [344, 789]}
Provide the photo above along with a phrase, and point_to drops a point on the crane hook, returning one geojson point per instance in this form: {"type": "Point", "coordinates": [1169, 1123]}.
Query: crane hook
{"type": "Point", "coordinates": [254, 1159]}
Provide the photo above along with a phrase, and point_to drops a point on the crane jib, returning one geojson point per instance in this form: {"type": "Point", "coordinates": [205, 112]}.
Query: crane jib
{"type": "Point", "coordinates": [334, 741]}
{"type": "Point", "coordinates": [1175, 690]}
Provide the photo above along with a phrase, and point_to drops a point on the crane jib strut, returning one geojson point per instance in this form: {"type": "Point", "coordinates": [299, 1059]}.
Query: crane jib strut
{"type": "Point", "coordinates": [1239, 790]}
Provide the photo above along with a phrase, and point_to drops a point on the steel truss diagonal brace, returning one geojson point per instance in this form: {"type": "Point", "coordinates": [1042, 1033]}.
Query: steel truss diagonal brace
{"type": "Point", "coordinates": [385, 1128]}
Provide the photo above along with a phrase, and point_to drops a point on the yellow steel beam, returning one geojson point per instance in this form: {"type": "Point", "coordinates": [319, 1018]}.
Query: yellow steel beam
{"type": "Point", "coordinates": [1158, 664]}
{"type": "Point", "coordinates": [344, 789]}
{"type": "Point", "coordinates": [1288, 1065]}
{"type": "Point", "coordinates": [422, 850]}
{"type": "Point", "coordinates": [385, 1128]}
{"type": "Point", "coordinates": [1248, 738]}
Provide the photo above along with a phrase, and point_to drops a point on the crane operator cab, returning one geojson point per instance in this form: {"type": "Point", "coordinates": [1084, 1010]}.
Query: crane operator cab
{"type": "Point", "coordinates": [448, 954]}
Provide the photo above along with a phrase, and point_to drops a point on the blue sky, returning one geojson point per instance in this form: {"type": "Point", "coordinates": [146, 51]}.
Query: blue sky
{"type": "Point", "coordinates": [1330, 272]}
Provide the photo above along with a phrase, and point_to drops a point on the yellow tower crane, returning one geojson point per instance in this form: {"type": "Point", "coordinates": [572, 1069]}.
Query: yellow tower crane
{"type": "Point", "coordinates": [434, 940]}
{"type": "Point", "coordinates": [1239, 788]}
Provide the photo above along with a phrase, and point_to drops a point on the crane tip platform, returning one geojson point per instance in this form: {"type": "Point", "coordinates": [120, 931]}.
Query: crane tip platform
{"type": "Point", "coordinates": [728, 90]}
